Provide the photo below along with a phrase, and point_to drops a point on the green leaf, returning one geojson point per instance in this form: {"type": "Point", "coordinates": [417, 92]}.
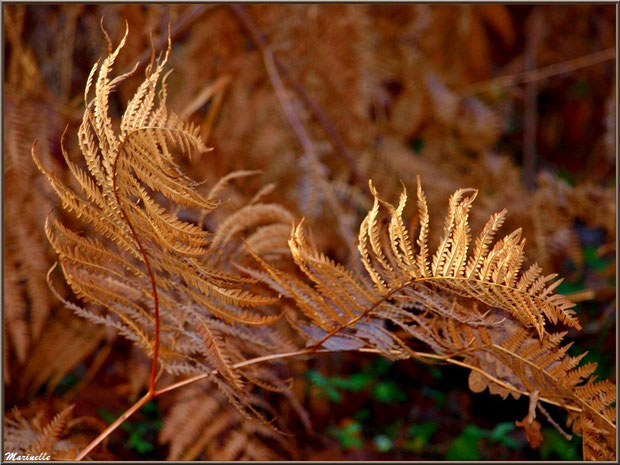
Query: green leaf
{"type": "Point", "coordinates": [356, 382]}
{"type": "Point", "coordinates": [388, 391]}
{"type": "Point", "coordinates": [436, 373]}
{"type": "Point", "coordinates": [463, 448]}
{"type": "Point", "coordinates": [349, 436]}
{"type": "Point", "coordinates": [326, 389]}
{"type": "Point", "coordinates": [579, 89]}
{"type": "Point", "coordinates": [567, 287]}
{"type": "Point", "coordinates": [333, 394]}
{"type": "Point", "coordinates": [438, 396]}
{"type": "Point", "coordinates": [499, 434]}
{"type": "Point", "coordinates": [361, 415]}
{"type": "Point", "coordinates": [316, 378]}
{"type": "Point", "coordinates": [417, 145]}
{"type": "Point", "coordinates": [593, 260]}
{"type": "Point", "coordinates": [383, 443]}
{"type": "Point", "coordinates": [107, 416]}
{"type": "Point", "coordinates": [425, 430]}
{"type": "Point", "coordinates": [501, 429]}
{"type": "Point", "coordinates": [567, 176]}
{"type": "Point", "coordinates": [380, 367]}
{"type": "Point", "coordinates": [66, 383]}
{"type": "Point", "coordinates": [151, 408]}
{"type": "Point", "coordinates": [137, 443]}
{"type": "Point", "coordinates": [420, 436]}
{"type": "Point", "coordinates": [555, 445]}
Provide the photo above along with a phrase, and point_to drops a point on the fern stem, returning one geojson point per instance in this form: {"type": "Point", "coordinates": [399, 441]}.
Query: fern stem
{"type": "Point", "coordinates": [510, 387]}
{"type": "Point", "coordinates": [363, 314]}
{"type": "Point", "coordinates": [309, 351]}
{"type": "Point", "coordinates": [146, 262]}
{"type": "Point", "coordinates": [546, 72]}
{"type": "Point", "coordinates": [119, 421]}
{"type": "Point", "coordinates": [152, 394]}
{"type": "Point", "coordinates": [309, 152]}
{"type": "Point", "coordinates": [264, 358]}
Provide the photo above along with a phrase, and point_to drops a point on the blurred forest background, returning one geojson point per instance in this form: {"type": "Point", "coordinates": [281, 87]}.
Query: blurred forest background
{"type": "Point", "coordinates": [517, 101]}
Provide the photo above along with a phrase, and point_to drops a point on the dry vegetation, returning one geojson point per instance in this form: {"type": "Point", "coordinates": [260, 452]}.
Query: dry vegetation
{"type": "Point", "coordinates": [192, 237]}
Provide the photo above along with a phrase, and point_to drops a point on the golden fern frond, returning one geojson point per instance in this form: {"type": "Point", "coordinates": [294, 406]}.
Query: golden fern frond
{"type": "Point", "coordinates": [524, 364]}
{"type": "Point", "coordinates": [247, 217]}
{"type": "Point", "coordinates": [153, 262]}
{"type": "Point", "coordinates": [31, 438]}
{"type": "Point", "coordinates": [16, 325]}
{"type": "Point", "coordinates": [214, 350]}
{"type": "Point", "coordinates": [476, 309]}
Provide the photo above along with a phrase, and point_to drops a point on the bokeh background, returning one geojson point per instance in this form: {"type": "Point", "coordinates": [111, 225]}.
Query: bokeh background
{"type": "Point", "coordinates": [517, 101]}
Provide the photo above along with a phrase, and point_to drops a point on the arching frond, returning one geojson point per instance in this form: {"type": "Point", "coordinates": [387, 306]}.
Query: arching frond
{"type": "Point", "coordinates": [470, 303]}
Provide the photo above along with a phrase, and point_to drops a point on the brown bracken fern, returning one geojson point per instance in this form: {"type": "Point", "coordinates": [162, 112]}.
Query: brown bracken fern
{"type": "Point", "coordinates": [201, 421]}
{"type": "Point", "coordinates": [148, 268]}
{"type": "Point", "coordinates": [33, 438]}
{"type": "Point", "coordinates": [475, 308]}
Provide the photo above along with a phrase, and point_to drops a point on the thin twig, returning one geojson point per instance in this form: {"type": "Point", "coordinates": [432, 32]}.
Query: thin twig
{"type": "Point", "coordinates": [545, 72]}
{"type": "Point", "coordinates": [264, 358]}
{"type": "Point", "coordinates": [567, 436]}
{"type": "Point", "coordinates": [530, 116]}
{"type": "Point", "coordinates": [309, 351]}
{"type": "Point", "coordinates": [119, 421]}
{"type": "Point", "coordinates": [153, 394]}
{"type": "Point", "coordinates": [342, 219]}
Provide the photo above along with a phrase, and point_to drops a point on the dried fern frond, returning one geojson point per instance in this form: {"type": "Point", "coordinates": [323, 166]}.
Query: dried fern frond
{"type": "Point", "coordinates": [39, 430]}
{"type": "Point", "coordinates": [491, 273]}
{"type": "Point", "coordinates": [27, 201]}
{"type": "Point", "coordinates": [525, 364]}
{"type": "Point", "coordinates": [152, 260]}
{"type": "Point", "coordinates": [475, 308]}
{"type": "Point", "coordinates": [202, 425]}
{"type": "Point", "coordinates": [31, 438]}
{"type": "Point", "coordinates": [65, 343]}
